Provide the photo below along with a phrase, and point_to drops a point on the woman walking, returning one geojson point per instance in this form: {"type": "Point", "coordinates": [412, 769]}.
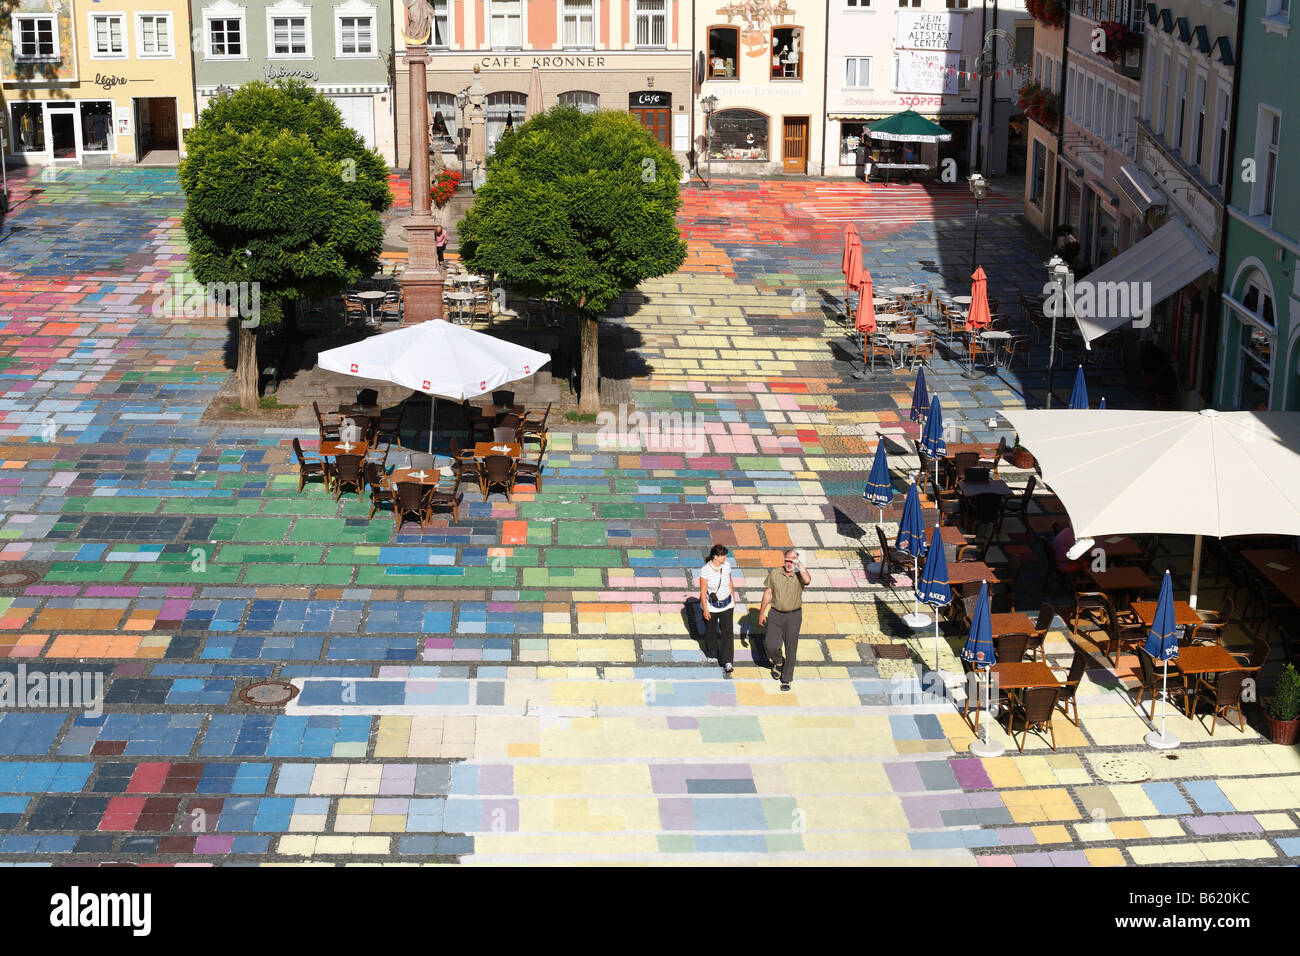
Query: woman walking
{"type": "Point", "coordinates": [441, 236]}
{"type": "Point", "coordinates": [718, 603]}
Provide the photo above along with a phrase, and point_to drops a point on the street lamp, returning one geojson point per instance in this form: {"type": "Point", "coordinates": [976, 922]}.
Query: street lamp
{"type": "Point", "coordinates": [462, 101]}
{"type": "Point", "coordinates": [1062, 278]}
{"type": "Point", "coordinates": [979, 188]}
{"type": "Point", "coordinates": [709, 104]}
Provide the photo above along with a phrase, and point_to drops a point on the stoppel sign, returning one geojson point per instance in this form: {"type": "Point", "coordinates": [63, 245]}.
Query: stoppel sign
{"type": "Point", "coordinates": [651, 98]}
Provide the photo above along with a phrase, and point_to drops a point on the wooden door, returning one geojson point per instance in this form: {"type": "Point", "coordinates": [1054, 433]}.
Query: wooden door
{"type": "Point", "coordinates": [656, 120]}
{"type": "Point", "coordinates": [795, 144]}
{"type": "Point", "coordinates": [162, 120]}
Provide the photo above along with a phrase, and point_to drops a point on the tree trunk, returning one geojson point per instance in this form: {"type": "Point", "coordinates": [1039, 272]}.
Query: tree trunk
{"type": "Point", "coordinates": [589, 389]}
{"type": "Point", "coordinates": [246, 370]}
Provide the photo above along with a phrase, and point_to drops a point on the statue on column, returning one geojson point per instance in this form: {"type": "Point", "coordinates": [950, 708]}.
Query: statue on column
{"type": "Point", "coordinates": [419, 22]}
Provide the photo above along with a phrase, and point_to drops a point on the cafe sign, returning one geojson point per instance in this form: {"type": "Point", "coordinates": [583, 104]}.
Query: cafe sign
{"type": "Point", "coordinates": [650, 98]}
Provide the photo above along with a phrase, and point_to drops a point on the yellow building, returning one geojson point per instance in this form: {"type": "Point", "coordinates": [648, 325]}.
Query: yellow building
{"type": "Point", "coordinates": [97, 81]}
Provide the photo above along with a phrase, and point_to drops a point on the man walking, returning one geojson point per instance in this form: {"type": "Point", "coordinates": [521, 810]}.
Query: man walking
{"type": "Point", "coordinates": [784, 596]}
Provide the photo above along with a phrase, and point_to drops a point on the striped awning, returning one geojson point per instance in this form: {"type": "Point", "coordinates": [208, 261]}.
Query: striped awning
{"type": "Point", "coordinates": [873, 117]}
{"type": "Point", "coordinates": [330, 89]}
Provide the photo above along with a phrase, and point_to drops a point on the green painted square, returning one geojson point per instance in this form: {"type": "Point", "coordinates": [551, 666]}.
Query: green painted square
{"type": "Point", "coordinates": [612, 510]}
{"type": "Point", "coordinates": [582, 557]}
{"type": "Point", "coordinates": [779, 812]}
{"type": "Point", "coordinates": [730, 730]}
{"type": "Point", "coordinates": [315, 574]}
{"type": "Point", "coordinates": [676, 843]}
{"type": "Point", "coordinates": [64, 572]}
{"type": "Point", "coordinates": [784, 842]}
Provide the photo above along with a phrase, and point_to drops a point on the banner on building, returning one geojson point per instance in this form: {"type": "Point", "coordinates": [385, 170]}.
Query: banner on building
{"type": "Point", "coordinates": [927, 30]}
{"type": "Point", "coordinates": [922, 72]}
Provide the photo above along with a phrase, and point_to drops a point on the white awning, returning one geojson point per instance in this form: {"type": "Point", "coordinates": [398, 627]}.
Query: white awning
{"type": "Point", "coordinates": [1168, 259]}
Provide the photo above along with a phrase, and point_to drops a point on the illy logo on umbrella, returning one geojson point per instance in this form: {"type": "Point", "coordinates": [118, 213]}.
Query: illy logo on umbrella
{"type": "Point", "coordinates": [353, 366]}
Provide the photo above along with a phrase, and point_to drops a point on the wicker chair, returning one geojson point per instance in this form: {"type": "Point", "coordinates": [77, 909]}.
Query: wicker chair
{"type": "Point", "coordinates": [534, 426]}
{"type": "Point", "coordinates": [1010, 648]}
{"type": "Point", "coordinates": [1254, 661]}
{"type": "Point", "coordinates": [480, 425]}
{"type": "Point", "coordinates": [880, 345]}
{"type": "Point", "coordinates": [1122, 631]}
{"type": "Point", "coordinates": [444, 499]}
{"type": "Point", "coordinates": [347, 471]}
{"type": "Point", "coordinates": [368, 397]}
{"type": "Point", "coordinates": [328, 432]}
{"type": "Point", "coordinates": [380, 490]}
{"type": "Point", "coordinates": [1046, 614]}
{"type": "Point", "coordinates": [889, 560]}
{"type": "Point", "coordinates": [463, 464]}
{"type": "Point", "coordinates": [504, 435]}
{"type": "Point", "coordinates": [496, 471]}
{"type": "Point", "coordinates": [1212, 626]}
{"type": "Point", "coordinates": [310, 467]}
{"type": "Point", "coordinates": [1068, 697]}
{"type": "Point", "coordinates": [996, 462]}
{"type": "Point", "coordinates": [1019, 506]}
{"type": "Point", "coordinates": [532, 470]}
{"type": "Point", "coordinates": [389, 424]}
{"type": "Point", "coordinates": [409, 499]}
{"type": "Point", "coordinates": [423, 461]}
{"type": "Point", "coordinates": [1223, 693]}
{"type": "Point", "coordinates": [1034, 707]}
{"type": "Point", "coordinates": [503, 396]}
{"type": "Point", "coordinates": [1092, 605]}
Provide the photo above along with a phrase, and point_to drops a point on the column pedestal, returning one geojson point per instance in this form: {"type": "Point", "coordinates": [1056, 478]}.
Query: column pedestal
{"type": "Point", "coordinates": [423, 279]}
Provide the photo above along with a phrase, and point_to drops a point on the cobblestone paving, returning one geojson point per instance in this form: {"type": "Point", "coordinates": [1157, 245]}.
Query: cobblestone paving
{"type": "Point", "coordinates": [528, 684]}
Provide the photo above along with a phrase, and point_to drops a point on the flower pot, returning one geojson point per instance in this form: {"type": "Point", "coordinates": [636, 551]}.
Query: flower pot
{"type": "Point", "coordinates": [1283, 731]}
{"type": "Point", "coordinates": [1022, 458]}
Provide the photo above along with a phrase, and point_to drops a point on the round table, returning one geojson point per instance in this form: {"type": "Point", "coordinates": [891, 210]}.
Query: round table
{"type": "Point", "coordinates": [878, 302]}
{"type": "Point", "coordinates": [961, 299]}
{"type": "Point", "coordinates": [902, 340]}
{"type": "Point", "coordinates": [905, 289]}
{"type": "Point", "coordinates": [370, 297]}
{"type": "Point", "coordinates": [888, 319]}
{"type": "Point", "coordinates": [999, 340]}
{"type": "Point", "coordinates": [460, 300]}
{"type": "Point", "coordinates": [465, 278]}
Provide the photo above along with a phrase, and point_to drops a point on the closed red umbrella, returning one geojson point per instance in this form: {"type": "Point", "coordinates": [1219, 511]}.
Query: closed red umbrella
{"type": "Point", "coordinates": [865, 320]}
{"type": "Point", "coordinates": [850, 238]}
{"type": "Point", "coordinates": [978, 316]}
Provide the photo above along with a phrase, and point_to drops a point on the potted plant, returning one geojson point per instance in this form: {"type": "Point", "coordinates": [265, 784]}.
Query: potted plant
{"type": "Point", "coordinates": [1020, 455]}
{"type": "Point", "coordinates": [1284, 709]}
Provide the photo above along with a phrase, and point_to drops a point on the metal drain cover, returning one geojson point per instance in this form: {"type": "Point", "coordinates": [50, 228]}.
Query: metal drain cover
{"type": "Point", "coordinates": [1124, 770]}
{"type": "Point", "coordinates": [268, 693]}
{"type": "Point", "coordinates": [18, 579]}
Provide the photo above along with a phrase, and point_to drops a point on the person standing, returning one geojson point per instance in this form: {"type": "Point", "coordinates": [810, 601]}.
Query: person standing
{"type": "Point", "coordinates": [784, 596]}
{"type": "Point", "coordinates": [717, 600]}
{"type": "Point", "coordinates": [441, 236]}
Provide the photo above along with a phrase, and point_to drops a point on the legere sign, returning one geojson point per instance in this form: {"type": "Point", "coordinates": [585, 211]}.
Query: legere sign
{"type": "Point", "coordinates": [650, 98]}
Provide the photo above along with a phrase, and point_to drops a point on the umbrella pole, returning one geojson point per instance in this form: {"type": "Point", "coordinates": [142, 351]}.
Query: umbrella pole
{"type": "Point", "coordinates": [1162, 740]}
{"type": "Point", "coordinates": [980, 746]}
{"type": "Point", "coordinates": [433, 408]}
{"type": "Point", "coordinates": [1196, 571]}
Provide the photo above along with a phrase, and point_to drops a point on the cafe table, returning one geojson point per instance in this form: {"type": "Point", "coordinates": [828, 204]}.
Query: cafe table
{"type": "Point", "coordinates": [495, 411]}
{"type": "Point", "coordinates": [955, 448]}
{"type": "Point", "coordinates": [1201, 659]}
{"type": "Point", "coordinates": [961, 299]}
{"type": "Point", "coordinates": [1012, 622]}
{"type": "Point", "coordinates": [331, 449]}
{"type": "Point", "coordinates": [1020, 675]}
{"type": "Point", "coordinates": [1185, 615]}
{"type": "Point", "coordinates": [901, 341]}
{"type": "Point", "coordinates": [1122, 581]}
{"type": "Point", "coordinates": [964, 572]}
{"type": "Point", "coordinates": [483, 449]}
{"type": "Point", "coordinates": [1117, 546]}
{"type": "Point", "coordinates": [371, 297]}
{"type": "Point", "coordinates": [994, 487]}
{"type": "Point", "coordinates": [1281, 568]}
{"type": "Point", "coordinates": [429, 477]}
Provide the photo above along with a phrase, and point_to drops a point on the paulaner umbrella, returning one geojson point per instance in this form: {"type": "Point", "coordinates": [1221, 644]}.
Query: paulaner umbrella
{"type": "Point", "coordinates": [911, 540]}
{"type": "Point", "coordinates": [1162, 645]}
{"type": "Point", "coordinates": [979, 651]}
{"type": "Point", "coordinates": [933, 588]}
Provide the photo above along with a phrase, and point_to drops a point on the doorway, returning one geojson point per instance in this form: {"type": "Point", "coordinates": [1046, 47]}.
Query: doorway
{"type": "Point", "coordinates": [655, 119]}
{"type": "Point", "coordinates": [156, 130]}
{"type": "Point", "coordinates": [63, 133]}
{"type": "Point", "coordinates": [794, 150]}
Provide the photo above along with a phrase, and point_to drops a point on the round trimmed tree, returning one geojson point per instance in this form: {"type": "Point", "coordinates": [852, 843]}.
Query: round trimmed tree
{"type": "Point", "coordinates": [581, 208]}
{"type": "Point", "coordinates": [281, 193]}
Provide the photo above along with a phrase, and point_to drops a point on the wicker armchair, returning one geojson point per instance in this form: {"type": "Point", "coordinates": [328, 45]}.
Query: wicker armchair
{"type": "Point", "coordinates": [464, 465]}
{"type": "Point", "coordinates": [532, 470]}
{"type": "Point", "coordinates": [889, 560]}
{"type": "Point", "coordinates": [381, 491]}
{"type": "Point", "coordinates": [1222, 693]}
{"type": "Point", "coordinates": [1067, 698]}
{"type": "Point", "coordinates": [1033, 707]}
{"type": "Point", "coordinates": [328, 431]}
{"type": "Point", "coordinates": [496, 471]}
{"type": "Point", "coordinates": [347, 471]}
{"type": "Point", "coordinates": [534, 426]}
{"type": "Point", "coordinates": [310, 467]}
{"type": "Point", "coordinates": [409, 500]}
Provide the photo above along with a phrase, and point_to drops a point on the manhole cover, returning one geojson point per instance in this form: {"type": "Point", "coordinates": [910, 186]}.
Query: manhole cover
{"type": "Point", "coordinates": [894, 652]}
{"type": "Point", "coordinates": [268, 693]}
{"type": "Point", "coordinates": [18, 579]}
{"type": "Point", "coordinates": [1124, 770]}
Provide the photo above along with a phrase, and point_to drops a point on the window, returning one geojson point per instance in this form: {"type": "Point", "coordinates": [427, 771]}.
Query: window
{"type": "Point", "coordinates": [904, 3]}
{"type": "Point", "coordinates": [576, 17]}
{"type": "Point", "coordinates": [724, 48]}
{"type": "Point", "coordinates": [1256, 339]}
{"type": "Point", "coordinates": [37, 38]}
{"type": "Point", "coordinates": [225, 38]}
{"type": "Point", "coordinates": [857, 4]}
{"type": "Point", "coordinates": [441, 24]}
{"type": "Point", "coordinates": [1072, 94]}
{"type": "Point", "coordinates": [443, 127]}
{"type": "Point", "coordinates": [1038, 181]}
{"type": "Point", "coordinates": [787, 53]}
{"type": "Point", "coordinates": [958, 4]}
{"type": "Point", "coordinates": [739, 135]}
{"type": "Point", "coordinates": [107, 35]}
{"type": "Point", "coordinates": [857, 71]}
{"type": "Point", "coordinates": [585, 100]}
{"type": "Point", "coordinates": [651, 25]}
{"type": "Point", "coordinates": [1268, 132]}
{"type": "Point", "coordinates": [1180, 111]}
{"type": "Point", "coordinates": [854, 143]}
{"type": "Point", "coordinates": [1163, 113]}
{"type": "Point", "coordinates": [1087, 103]}
{"type": "Point", "coordinates": [1130, 147]}
{"type": "Point", "coordinates": [1121, 122]}
{"type": "Point", "coordinates": [1219, 164]}
{"type": "Point", "coordinates": [96, 126]}
{"type": "Point", "coordinates": [1198, 122]}
{"type": "Point", "coordinates": [289, 36]}
{"type": "Point", "coordinates": [28, 128]}
{"type": "Point", "coordinates": [1108, 117]}
{"type": "Point", "coordinates": [503, 110]}
{"type": "Point", "coordinates": [1049, 73]}
{"type": "Point", "coordinates": [507, 24]}
{"type": "Point", "coordinates": [1278, 10]}
{"type": "Point", "coordinates": [1038, 67]}
{"type": "Point", "coordinates": [356, 36]}
{"type": "Point", "coordinates": [963, 77]}
{"type": "Point", "coordinates": [153, 34]}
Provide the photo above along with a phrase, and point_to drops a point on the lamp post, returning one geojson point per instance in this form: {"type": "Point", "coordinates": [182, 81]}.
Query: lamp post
{"type": "Point", "coordinates": [1062, 278]}
{"type": "Point", "coordinates": [462, 101]}
{"type": "Point", "coordinates": [979, 188]}
{"type": "Point", "coordinates": [708, 104]}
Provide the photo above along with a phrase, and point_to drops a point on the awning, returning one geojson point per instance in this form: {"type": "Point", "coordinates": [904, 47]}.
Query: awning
{"type": "Point", "coordinates": [1138, 187]}
{"type": "Point", "coordinates": [1168, 259]}
{"type": "Point", "coordinates": [857, 117]}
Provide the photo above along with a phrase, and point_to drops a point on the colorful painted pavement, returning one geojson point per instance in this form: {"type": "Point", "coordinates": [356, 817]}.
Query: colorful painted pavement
{"type": "Point", "coordinates": [526, 684]}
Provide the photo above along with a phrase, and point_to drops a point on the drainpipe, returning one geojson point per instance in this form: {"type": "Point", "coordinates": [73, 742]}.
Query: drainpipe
{"type": "Point", "coordinates": [1061, 172]}
{"type": "Point", "coordinates": [993, 95]}
{"type": "Point", "coordinates": [695, 92]}
{"type": "Point", "coordinates": [1228, 180]}
{"type": "Point", "coordinates": [826, 86]}
{"type": "Point", "coordinates": [980, 126]}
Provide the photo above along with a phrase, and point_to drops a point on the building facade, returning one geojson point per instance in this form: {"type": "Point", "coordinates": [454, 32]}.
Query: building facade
{"type": "Point", "coordinates": [632, 55]}
{"type": "Point", "coordinates": [766, 65]}
{"type": "Point", "coordinates": [342, 49]}
{"type": "Point", "coordinates": [1259, 323]}
{"type": "Point", "coordinates": [97, 83]}
{"type": "Point", "coordinates": [1043, 119]}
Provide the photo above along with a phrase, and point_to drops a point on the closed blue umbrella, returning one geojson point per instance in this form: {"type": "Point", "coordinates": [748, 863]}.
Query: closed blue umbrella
{"type": "Point", "coordinates": [920, 397]}
{"type": "Point", "coordinates": [932, 588]}
{"type": "Point", "coordinates": [1162, 645]}
{"type": "Point", "coordinates": [978, 649]}
{"type": "Point", "coordinates": [932, 442]}
{"type": "Point", "coordinates": [1103, 402]}
{"type": "Point", "coordinates": [1079, 397]}
{"type": "Point", "coordinates": [911, 540]}
{"type": "Point", "coordinates": [880, 487]}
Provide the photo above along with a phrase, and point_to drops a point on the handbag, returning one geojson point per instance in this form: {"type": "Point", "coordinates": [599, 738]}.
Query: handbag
{"type": "Point", "coordinates": [716, 602]}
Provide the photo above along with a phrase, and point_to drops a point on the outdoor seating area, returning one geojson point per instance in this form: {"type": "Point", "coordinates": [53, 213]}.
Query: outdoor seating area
{"type": "Point", "coordinates": [501, 446]}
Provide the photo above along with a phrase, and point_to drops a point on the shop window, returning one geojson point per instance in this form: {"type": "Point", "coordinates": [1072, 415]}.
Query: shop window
{"type": "Point", "coordinates": [96, 126]}
{"type": "Point", "coordinates": [1038, 182]}
{"type": "Point", "coordinates": [585, 100]}
{"type": "Point", "coordinates": [739, 135]}
{"type": "Point", "coordinates": [443, 119]}
{"type": "Point", "coordinates": [724, 49]}
{"type": "Point", "coordinates": [787, 53]}
{"type": "Point", "coordinates": [29, 127]}
{"type": "Point", "coordinates": [853, 143]}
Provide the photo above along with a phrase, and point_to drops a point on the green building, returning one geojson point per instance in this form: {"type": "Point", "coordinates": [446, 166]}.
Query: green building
{"type": "Point", "coordinates": [1259, 357]}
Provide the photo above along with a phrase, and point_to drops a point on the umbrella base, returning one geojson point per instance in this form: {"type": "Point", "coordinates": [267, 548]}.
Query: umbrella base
{"type": "Point", "coordinates": [981, 749]}
{"type": "Point", "coordinates": [973, 374]}
{"type": "Point", "coordinates": [873, 569]}
{"type": "Point", "coordinates": [1157, 741]}
{"type": "Point", "coordinates": [917, 620]}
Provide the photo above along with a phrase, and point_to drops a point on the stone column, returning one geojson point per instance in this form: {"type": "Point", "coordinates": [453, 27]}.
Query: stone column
{"type": "Point", "coordinates": [477, 122]}
{"type": "Point", "coordinates": [423, 279]}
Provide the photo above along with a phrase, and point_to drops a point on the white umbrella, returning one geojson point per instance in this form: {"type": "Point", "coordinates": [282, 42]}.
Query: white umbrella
{"type": "Point", "coordinates": [1198, 473]}
{"type": "Point", "coordinates": [534, 102]}
{"type": "Point", "coordinates": [437, 358]}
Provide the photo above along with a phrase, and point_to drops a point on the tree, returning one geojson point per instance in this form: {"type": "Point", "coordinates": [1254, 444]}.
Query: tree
{"type": "Point", "coordinates": [579, 207]}
{"type": "Point", "coordinates": [282, 195]}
